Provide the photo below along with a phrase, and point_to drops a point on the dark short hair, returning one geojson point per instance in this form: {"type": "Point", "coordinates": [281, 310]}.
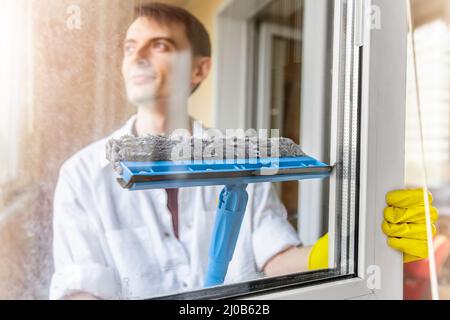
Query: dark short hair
{"type": "Point", "coordinates": [195, 30]}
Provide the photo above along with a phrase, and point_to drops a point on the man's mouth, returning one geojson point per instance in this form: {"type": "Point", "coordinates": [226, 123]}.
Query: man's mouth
{"type": "Point", "coordinates": [140, 79]}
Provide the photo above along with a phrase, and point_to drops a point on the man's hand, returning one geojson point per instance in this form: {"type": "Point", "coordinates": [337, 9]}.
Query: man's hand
{"type": "Point", "coordinates": [318, 256]}
{"type": "Point", "coordinates": [404, 223]}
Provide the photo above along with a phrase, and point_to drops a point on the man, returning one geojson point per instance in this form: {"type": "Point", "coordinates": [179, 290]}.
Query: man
{"type": "Point", "coordinates": [110, 243]}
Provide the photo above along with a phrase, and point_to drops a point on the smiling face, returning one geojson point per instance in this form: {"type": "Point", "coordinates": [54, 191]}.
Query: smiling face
{"type": "Point", "coordinates": [157, 61]}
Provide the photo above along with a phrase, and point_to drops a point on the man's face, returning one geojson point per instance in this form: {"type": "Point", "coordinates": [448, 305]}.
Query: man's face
{"type": "Point", "coordinates": [157, 61]}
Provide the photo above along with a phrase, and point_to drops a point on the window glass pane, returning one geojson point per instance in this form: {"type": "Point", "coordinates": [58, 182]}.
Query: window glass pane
{"type": "Point", "coordinates": [78, 73]}
{"type": "Point", "coordinates": [432, 37]}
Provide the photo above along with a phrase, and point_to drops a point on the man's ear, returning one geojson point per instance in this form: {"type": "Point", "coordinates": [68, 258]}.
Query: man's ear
{"type": "Point", "coordinates": [201, 70]}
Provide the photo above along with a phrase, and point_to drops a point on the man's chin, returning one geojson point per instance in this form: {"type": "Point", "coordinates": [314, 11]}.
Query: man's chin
{"type": "Point", "coordinates": [142, 100]}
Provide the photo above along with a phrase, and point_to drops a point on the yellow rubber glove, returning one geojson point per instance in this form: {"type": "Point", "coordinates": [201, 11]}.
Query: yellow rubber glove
{"type": "Point", "coordinates": [318, 256]}
{"type": "Point", "coordinates": [404, 223]}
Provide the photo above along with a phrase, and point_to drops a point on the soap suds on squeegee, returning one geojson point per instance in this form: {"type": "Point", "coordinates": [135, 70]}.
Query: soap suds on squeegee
{"type": "Point", "coordinates": [162, 148]}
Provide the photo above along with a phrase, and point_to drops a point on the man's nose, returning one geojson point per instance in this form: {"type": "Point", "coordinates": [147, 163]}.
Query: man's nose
{"type": "Point", "coordinates": [142, 63]}
{"type": "Point", "coordinates": [142, 57]}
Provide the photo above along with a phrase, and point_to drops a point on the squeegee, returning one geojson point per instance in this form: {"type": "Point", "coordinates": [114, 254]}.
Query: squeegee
{"type": "Point", "coordinates": [234, 174]}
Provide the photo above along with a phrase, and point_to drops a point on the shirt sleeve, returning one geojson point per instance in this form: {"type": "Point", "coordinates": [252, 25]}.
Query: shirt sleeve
{"type": "Point", "coordinates": [80, 265]}
{"type": "Point", "coordinates": [272, 233]}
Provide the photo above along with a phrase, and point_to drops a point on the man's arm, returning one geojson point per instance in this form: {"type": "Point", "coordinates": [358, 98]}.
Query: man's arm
{"type": "Point", "coordinates": [81, 269]}
{"type": "Point", "coordinates": [274, 239]}
{"type": "Point", "coordinates": [292, 260]}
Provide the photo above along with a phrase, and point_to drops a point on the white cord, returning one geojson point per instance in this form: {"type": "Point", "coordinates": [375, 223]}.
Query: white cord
{"type": "Point", "coordinates": [431, 258]}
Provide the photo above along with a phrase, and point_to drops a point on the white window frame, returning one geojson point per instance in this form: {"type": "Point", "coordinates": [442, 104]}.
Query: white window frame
{"type": "Point", "coordinates": [314, 135]}
{"type": "Point", "coordinates": [383, 87]}
{"type": "Point", "coordinates": [266, 34]}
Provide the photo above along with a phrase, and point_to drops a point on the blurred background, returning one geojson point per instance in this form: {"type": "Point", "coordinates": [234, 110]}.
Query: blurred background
{"type": "Point", "coordinates": [61, 89]}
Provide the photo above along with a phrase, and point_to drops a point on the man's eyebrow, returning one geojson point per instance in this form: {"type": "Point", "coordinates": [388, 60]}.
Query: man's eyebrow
{"type": "Point", "coordinates": [129, 41]}
{"type": "Point", "coordinates": [170, 40]}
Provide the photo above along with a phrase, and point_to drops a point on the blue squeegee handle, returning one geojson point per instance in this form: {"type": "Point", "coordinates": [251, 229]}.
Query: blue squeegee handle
{"type": "Point", "coordinates": [230, 213]}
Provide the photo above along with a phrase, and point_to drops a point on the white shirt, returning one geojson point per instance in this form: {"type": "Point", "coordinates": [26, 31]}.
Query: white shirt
{"type": "Point", "coordinates": [117, 244]}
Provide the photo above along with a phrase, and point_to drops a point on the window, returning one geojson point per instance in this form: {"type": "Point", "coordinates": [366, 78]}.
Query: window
{"type": "Point", "coordinates": [311, 68]}
{"type": "Point", "coordinates": [342, 132]}
{"type": "Point", "coordinates": [432, 53]}
{"type": "Point", "coordinates": [13, 48]}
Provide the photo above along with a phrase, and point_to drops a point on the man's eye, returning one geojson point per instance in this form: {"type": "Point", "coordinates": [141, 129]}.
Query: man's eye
{"type": "Point", "coordinates": [160, 46]}
{"type": "Point", "coordinates": [129, 49]}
